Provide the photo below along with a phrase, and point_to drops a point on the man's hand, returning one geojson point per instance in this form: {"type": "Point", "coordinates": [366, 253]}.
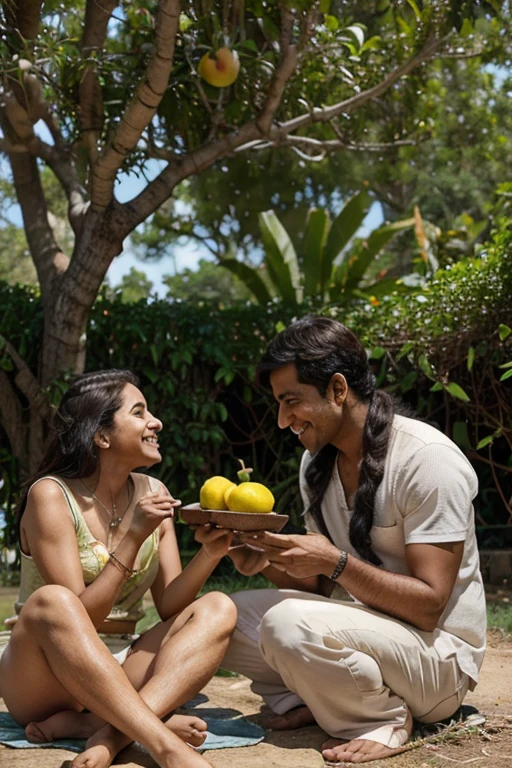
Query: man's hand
{"type": "Point", "coordinates": [299, 556]}
{"type": "Point", "coordinates": [248, 561]}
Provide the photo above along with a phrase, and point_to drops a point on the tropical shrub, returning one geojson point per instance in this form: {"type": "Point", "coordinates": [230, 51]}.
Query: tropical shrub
{"type": "Point", "coordinates": [327, 264]}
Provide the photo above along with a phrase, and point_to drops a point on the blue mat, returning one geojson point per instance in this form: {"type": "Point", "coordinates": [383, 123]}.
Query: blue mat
{"type": "Point", "coordinates": [223, 733]}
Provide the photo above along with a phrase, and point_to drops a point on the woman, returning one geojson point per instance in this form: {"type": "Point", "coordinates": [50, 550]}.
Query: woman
{"type": "Point", "coordinates": [94, 536]}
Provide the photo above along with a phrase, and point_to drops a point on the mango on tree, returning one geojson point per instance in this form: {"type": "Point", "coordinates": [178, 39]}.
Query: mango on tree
{"type": "Point", "coordinates": [219, 68]}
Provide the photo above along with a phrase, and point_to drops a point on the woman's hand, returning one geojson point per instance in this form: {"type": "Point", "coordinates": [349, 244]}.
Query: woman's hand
{"type": "Point", "coordinates": [248, 561]}
{"type": "Point", "coordinates": [151, 510]}
{"type": "Point", "coordinates": [215, 541]}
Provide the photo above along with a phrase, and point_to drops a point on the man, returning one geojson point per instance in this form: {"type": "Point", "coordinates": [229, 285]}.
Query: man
{"type": "Point", "coordinates": [388, 508]}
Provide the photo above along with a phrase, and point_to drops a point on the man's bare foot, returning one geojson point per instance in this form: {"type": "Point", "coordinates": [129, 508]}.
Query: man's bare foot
{"type": "Point", "coordinates": [63, 725]}
{"type": "Point", "coordinates": [191, 730]}
{"type": "Point", "coordinates": [364, 750]}
{"type": "Point", "coordinates": [298, 717]}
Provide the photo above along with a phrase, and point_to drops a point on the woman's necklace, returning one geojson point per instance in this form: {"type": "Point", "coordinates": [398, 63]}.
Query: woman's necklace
{"type": "Point", "coordinates": [115, 520]}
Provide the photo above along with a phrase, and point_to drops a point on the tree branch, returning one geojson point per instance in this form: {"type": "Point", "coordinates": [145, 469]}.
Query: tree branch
{"type": "Point", "coordinates": [325, 114]}
{"type": "Point", "coordinates": [90, 96]}
{"type": "Point", "coordinates": [330, 145]}
{"type": "Point", "coordinates": [143, 106]}
{"type": "Point", "coordinates": [24, 105]}
{"type": "Point", "coordinates": [284, 71]}
{"type": "Point", "coordinates": [63, 170]}
{"type": "Point", "coordinates": [26, 381]}
{"type": "Point", "coordinates": [48, 258]}
{"type": "Point", "coordinates": [474, 54]}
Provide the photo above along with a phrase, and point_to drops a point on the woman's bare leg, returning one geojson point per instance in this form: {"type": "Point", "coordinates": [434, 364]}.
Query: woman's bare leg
{"type": "Point", "coordinates": [56, 649]}
{"type": "Point", "coordinates": [170, 664]}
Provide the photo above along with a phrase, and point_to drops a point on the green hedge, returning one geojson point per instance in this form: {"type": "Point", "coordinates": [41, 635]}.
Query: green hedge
{"type": "Point", "coordinates": [440, 347]}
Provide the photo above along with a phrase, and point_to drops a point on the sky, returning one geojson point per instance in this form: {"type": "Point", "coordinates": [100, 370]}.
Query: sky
{"type": "Point", "coordinates": [182, 257]}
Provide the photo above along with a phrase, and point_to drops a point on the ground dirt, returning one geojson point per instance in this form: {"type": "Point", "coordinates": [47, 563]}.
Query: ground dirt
{"type": "Point", "coordinates": [489, 746]}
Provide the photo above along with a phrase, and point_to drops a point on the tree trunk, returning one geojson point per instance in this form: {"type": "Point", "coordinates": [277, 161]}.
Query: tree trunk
{"type": "Point", "coordinates": [67, 308]}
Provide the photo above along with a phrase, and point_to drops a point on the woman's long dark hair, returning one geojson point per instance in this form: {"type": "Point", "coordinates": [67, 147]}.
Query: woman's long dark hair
{"type": "Point", "coordinates": [320, 347]}
{"type": "Point", "coordinates": [88, 406]}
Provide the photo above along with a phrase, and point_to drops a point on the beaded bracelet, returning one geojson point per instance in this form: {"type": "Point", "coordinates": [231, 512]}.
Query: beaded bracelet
{"type": "Point", "coordinates": [340, 566]}
{"type": "Point", "coordinates": [121, 566]}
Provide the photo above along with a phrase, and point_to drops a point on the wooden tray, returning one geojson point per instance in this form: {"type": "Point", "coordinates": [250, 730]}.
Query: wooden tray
{"type": "Point", "coordinates": [194, 514]}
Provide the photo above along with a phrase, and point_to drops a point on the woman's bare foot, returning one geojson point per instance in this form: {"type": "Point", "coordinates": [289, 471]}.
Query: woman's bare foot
{"type": "Point", "coordinates": [367, 749]}
{"type": "Point", "coordinates": [82, 725]}
{"type": "Point", "coordinates": [100, 750]}
{"type": "Point", "coordinates": [64, 725]}
{"type": "Point", "coordinates": [190, 729]}
{"type": "Point", "coordinates": [298, 717]}
{"type": "Point", "coordinates": [101, 754]}
{"type": "Point", "coordinates": [95, 756]}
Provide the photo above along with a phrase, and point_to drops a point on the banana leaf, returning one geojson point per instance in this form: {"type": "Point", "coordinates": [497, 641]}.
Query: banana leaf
{"type": "Point", "coordinates": [280, 257]}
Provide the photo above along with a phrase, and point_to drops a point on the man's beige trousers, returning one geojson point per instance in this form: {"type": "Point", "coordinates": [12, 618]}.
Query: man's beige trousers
{"type": "Point", "coordinates": [357, 670]}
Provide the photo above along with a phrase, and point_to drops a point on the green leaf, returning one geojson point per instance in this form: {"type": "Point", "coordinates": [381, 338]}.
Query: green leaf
{"type": "Point", "coordinates": [415, 9]}
{"type": "Point", "coordinates": [358, 32]}
{"type": "Point", "coordinates": [437, 387]}
{"type": "Point", "coordinates": [280, 257]}
{"type": "Point", "coordinates": [457, 391]}
{"type": "Point", "coordinates": [225, 374]}
{"type": "Point", "coordinates": [270, 30]}
{"type": "Point", "coordinates": [466, 29]}
{"type": "Point", "coordinates": [506, 375]}
{"type": "Point", "coordinates": [426, 367]}
{"type": "Point", "coordinates": [471, 358]}
{"type": "Point", "coordinates": [460, 435]}
{"type": "Point", "coordinates": [373, 43]}
{"type": "Point", "coordinates": [154, 353]}
{"type": "Point", "coordinates": [405, 350]}
{"type": "Point", "coordinates": [250, 277]}
{"type": "Point", "coordinates": [408, 381]}
{"type": "Point", "coordinates": [485, 441]}
{"type": "Point", "coordinates": [504, 331]}
{"type": "Point", "coordinates": [250, 45]}
{"type": "Point", "coordinates": [185, 22]}
{"type": "Point", "coordinates": [377, 352]}
{"type": "Point", "coordinates": [361, 259]}
{"type": "Point", "coordinates": [344, 226]}
{"type": "Point", "coordinates": [314, 243]}
{"type": "Point", "coordinates": [331, 22]}
{"type": "Point", "coordinates": [405, 28]}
